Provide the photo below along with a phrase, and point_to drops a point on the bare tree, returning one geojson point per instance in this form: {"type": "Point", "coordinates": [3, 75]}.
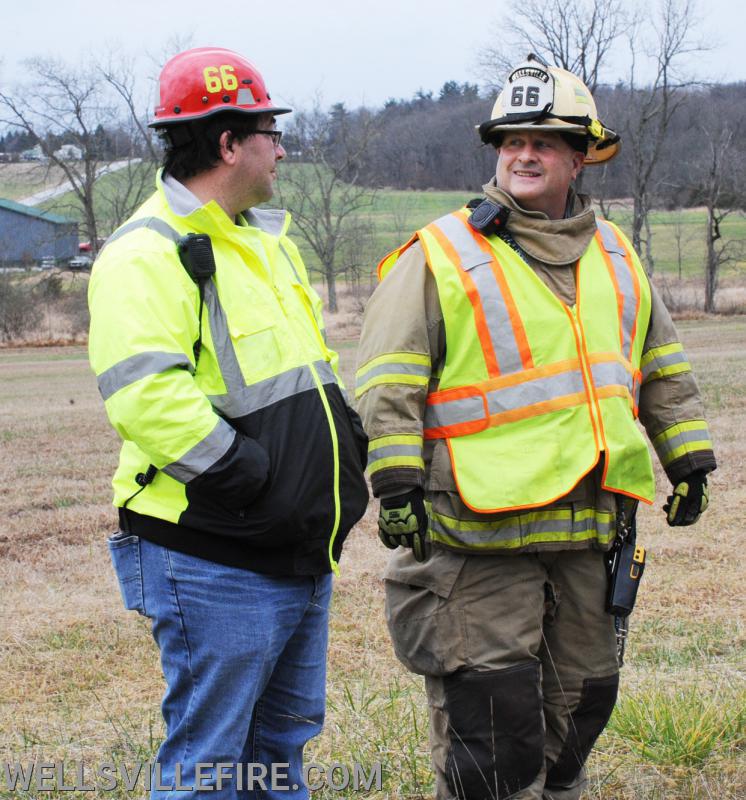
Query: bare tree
{"type": "Point", "coordinates": [576, 36]}
{"type": "Point", "coordinates": [647, 111]}
{"type": "Point", "coordinates": [77, 105]}
{"type": "Point", "coordinates": [720, 181]}
{"type": "Point", "coordinates": [322, 189]}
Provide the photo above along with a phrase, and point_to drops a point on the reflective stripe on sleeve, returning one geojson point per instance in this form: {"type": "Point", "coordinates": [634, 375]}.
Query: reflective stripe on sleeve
{"type": "Point", "coordinates": [519, 530]}
{"type": "Point", "coordinates": [396, 450]}
{"type": "Point", "coordinates": [139, 366]}
{"type": "Point", "coordinates": [680, 439]}
{"type": "Point", "coordinates": [659, 362]}
{"type": "Point", "coordinates": [203, 455]}
{"type": "Point", "coordinates": [406, 368]}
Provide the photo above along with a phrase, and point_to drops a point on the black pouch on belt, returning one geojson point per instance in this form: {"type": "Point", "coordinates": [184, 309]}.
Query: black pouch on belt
{"type": "Point", "coordinates": [626, 564]}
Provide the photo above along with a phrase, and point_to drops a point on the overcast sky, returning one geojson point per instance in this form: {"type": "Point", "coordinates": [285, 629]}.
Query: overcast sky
{"type": "Point", "coordinates": [359, 53]}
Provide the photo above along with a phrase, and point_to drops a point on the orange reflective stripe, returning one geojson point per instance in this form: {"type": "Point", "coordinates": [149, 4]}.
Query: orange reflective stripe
{"type": "Point", "coordinates": [519, 331]}
{"type": "Point", "coordinates": [472, 293]}
{"type": "Point", "coordinates": [464, 410]}
{"type": "Point", "coordinates": [615, 282]}
{"type": "Point", "coordinates": [638, 296]}
{"type": "Point", "coordinates": [625, 281]}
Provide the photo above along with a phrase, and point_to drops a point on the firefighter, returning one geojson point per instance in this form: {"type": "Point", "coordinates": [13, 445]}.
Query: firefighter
{"type": "Point", "coordinates": [505, 358]}
{"type": "Point", "coordinates": [241, 469]}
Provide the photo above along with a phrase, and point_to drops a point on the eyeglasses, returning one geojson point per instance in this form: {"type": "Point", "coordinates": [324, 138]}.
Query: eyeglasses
{"type": "Point", "coordinates": [276, 136]}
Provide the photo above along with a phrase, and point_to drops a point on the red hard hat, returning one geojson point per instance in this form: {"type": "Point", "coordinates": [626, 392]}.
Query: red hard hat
{"type": "Point", "coordinates": [208, 80]}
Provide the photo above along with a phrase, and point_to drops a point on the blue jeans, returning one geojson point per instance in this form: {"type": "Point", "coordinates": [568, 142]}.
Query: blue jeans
{"type": "Point", "coordinates": [244, 658]}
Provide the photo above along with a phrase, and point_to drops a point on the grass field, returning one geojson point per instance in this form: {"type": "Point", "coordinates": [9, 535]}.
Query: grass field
{"type": "Point", "coordinates": [80, 676]}
{"type": "Point", "coordinates": [678, 236]}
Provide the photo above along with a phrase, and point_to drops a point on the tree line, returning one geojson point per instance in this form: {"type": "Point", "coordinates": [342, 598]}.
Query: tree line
{"type": "Point", "coordinates": [680, 146]}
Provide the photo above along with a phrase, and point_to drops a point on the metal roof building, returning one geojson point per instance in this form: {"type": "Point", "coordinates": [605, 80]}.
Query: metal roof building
{"type": "Point", "coordinates": [28, 234]}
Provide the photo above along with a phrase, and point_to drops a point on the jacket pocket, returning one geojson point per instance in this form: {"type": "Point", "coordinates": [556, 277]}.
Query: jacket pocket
{"type": "Point", "coordinates": [255, 340]}
{"type": "Point", "coordinates": [124, 550]}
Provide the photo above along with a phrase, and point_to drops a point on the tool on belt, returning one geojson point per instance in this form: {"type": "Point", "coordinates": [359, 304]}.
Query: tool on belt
{"type": "Point", "coordinates": [625, 564]}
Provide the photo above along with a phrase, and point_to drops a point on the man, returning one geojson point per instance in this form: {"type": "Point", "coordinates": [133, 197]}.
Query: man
{"type": "Point", "coordinates": [241, 471]}
{"type": "Point", "coordinates": [503, 360]}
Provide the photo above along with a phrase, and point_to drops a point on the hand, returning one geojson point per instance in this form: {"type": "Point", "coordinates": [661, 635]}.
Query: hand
{"type": "Point", "coordinates": [689, 499]}
{"type": "Point", "coordinates": [402, 522]}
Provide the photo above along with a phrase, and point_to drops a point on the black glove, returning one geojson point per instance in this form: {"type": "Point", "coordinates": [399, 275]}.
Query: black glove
{"type": "Point", "coordinates": [402, 522]}
{"type": "Point", "coordinates": [689, 499]}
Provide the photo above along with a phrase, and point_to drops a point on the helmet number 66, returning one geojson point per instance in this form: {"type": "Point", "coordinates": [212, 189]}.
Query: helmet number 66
{"type": "Point", "coordinates": [532, 96]}
{"type": "Point", "coordinates": [219, 79]}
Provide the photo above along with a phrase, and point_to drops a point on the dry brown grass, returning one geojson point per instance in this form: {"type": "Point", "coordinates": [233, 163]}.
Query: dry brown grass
{"type": "Point", "coordinates": [81, 678]}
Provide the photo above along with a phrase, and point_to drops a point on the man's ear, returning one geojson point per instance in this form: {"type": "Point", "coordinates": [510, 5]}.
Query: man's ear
{"type": "Point", "coordinates": [577, 162]}
{"type": "Point", "coordinates": [227, 147]}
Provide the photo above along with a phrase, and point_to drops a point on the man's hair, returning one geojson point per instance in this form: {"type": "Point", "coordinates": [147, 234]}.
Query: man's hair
{"type": "Point", "coordinates": [577, 141]}
{"type": "Point", "coordinates": [194, 147]}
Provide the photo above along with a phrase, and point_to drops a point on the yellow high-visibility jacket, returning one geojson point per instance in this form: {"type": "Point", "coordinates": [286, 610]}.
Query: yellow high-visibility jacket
{"type": "Point", "coordinates": [256, 443]}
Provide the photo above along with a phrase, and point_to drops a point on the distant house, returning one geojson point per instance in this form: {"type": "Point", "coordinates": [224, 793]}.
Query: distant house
{"type": "Point", "coordinates": [28, 234]}
{"type": "Point", "coordinates": [34, 154]}
{"type": "Point", "coordinates": [69, 152]}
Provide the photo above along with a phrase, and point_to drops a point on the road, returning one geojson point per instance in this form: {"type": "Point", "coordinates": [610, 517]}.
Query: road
{"type": "Point", "coordinates": [66, 186]}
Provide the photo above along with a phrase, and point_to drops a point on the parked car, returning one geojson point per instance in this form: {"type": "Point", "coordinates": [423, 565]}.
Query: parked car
{"type": "Point", "coordinates": [80, 262]}
{"type": "Point", "coordinates": [48, 263]}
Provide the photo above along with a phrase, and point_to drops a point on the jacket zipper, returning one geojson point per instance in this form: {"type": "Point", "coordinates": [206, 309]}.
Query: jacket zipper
{"type": "Point", "coordinates": [335, 450]}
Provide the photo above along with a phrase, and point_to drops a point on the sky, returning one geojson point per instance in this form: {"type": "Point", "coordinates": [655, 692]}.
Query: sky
{"type": "Point", "coordinates": [357, 53]}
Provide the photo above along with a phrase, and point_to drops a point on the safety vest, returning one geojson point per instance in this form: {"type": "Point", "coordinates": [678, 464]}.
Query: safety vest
{"type": "Point", "coordinates": [532, 391]}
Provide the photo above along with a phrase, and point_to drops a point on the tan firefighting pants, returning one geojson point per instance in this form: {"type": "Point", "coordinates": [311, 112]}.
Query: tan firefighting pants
{"type": "Point", "coordinates": [521, 671]}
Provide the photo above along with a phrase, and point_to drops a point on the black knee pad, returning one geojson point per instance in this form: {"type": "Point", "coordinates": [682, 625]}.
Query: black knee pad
{"type": "Point", "coordinates": [597, 701]}
{"type": "Point", "coordinates": [495, 730]}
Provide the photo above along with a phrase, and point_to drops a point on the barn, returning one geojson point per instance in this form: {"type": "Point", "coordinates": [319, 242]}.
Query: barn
{"type": "Point", "coordinates": [28, 235]}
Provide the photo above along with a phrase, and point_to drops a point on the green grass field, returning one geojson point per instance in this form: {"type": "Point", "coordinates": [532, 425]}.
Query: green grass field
{"type": "Point", "coordinates": [80, 676]}
{"type": "Point", "coordinates": [678, 236]}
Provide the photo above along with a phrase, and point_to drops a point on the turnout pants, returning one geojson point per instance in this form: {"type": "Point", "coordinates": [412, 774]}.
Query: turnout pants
{"type": "Point", "coordinates": [521, 671]}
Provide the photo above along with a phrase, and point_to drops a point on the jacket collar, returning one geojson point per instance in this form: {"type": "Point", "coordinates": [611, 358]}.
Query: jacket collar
{"type": "Point", "coordinates": [553, 242]}
{"type": "Point", "coordinates": [210, 218]}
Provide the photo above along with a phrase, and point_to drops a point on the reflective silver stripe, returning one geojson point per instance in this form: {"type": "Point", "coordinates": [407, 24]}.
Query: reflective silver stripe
{"type": "Point", "coordinates": [392, 368]}
{"type": "Point", "coordinates": [522, 527]}
{"type": "Point", "coordinates": [290, 261]}
{"type": "Point", "coordinates": [153, 223]}
{"type": "Point", "coordinates": [139, 366]}
{"type": "Point", "coordinates": [536, 391]}
{"type": "Point", "coordinates": [528, 393]}
{"type": "Point", "coordinates": [666, 446]}
{"type": "Point", "coordinates": [611, 373]}
{"type": "Point", "coordinates": [203, 455]}
{"type": "Point", "coordinates": [221, 339]}
{"type": "Point", "coordinates": [394, 450]}
{"type": "Point", "coordinates": [269, 220]}
{"type": "Point", "coordinates": [624, 281]}
{"type": "Point", "coordinates": [660, 362]}
{"type": "Point", "coordinates": [265, 393]}
{"type": "Point", "coordinates": [453, 412]}
{"type": "Point", "coordinates": [478, 264]}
